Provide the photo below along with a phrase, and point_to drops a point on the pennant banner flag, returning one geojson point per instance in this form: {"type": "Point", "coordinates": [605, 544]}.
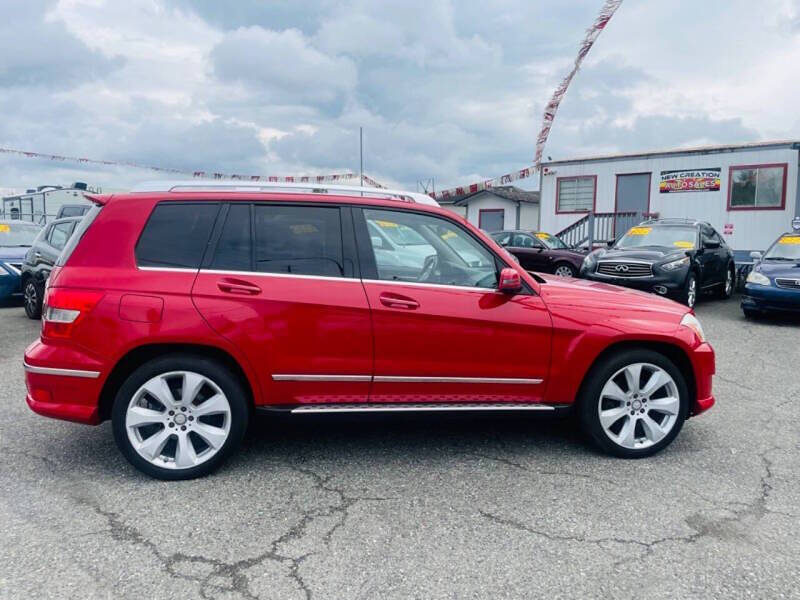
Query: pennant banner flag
{"type": "Point", "coordinates": [604, 16]}
{"type": "Point", "coordinates": [341, 177]}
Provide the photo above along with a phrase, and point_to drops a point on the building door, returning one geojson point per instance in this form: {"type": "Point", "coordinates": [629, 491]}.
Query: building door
{"type": "Point", "coordinates": [491, 219]}
{"type": "Point", "coordinates": [633, 196]}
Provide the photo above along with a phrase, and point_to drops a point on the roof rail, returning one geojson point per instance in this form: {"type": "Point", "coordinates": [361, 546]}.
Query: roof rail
{"type": "Point", "coordinates": [291, 188]}
{"type": "Point", "coordinates": [674, 220]}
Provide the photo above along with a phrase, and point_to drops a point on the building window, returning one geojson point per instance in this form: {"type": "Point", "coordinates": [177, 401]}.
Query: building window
{"type": "Point", "coordinates": [575, 194]}
{"type": "Point", "coordinates": [757, 187]}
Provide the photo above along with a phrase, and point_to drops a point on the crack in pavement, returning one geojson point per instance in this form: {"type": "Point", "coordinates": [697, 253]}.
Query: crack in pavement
{"type": "Point", "coordinates": [234, 572]}
{"type": "Point", "coordinates": [557, 473]}
{"type": "Point", "coordinates": [702, 527]}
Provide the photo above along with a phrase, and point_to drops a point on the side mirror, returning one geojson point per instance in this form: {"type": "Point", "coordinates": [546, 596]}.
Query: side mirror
{"type": "Point", "coordinates": [610, 243]}
{"type": "Point", "coordinates": [711, 244]}
{"type": "Point", "coordinates": [510, 281]}
{"type": "Point", "coordinates": [755, 255]}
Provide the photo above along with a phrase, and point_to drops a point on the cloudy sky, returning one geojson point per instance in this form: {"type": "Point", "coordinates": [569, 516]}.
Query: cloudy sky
{"type": "Point", "coordinates": [447, 89]}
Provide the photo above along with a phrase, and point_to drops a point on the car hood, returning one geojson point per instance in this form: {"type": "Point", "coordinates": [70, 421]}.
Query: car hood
{"type": "Point", "coordinates": [13, 252]}
{"type": "Point", "coordinates": [779, 269]}
{"type": "Point", "coordinates": [653, 254]}
{"type": "Point", "coordinates": [596, 301]}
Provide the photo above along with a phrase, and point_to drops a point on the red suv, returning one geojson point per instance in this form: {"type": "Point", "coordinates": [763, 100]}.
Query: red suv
{"type": "Point", "coordinates": [177, 310]}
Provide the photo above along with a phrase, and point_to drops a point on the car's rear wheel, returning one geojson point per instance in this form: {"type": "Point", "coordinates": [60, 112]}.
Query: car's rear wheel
{"type": "Point", "coordinates": [564, 270]}
{"type": "Point", "coordinates": [179, 417]}
{"type": "Point", "coordinates": [33, 299]}
{"type": "Point", "coordinates": [634, 403]}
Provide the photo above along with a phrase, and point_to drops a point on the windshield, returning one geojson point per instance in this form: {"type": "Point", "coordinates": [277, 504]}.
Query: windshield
{"type": "Point", "coordinates": [786, 248]}
{"type": "Point", "coordinates": [18, 234]}
{"type": "Point", "coordinates": [653, 235]}
{"type": "Point", "coordinates": [551, 241]}
{"type": "Point", "coordinates": [400, 234]}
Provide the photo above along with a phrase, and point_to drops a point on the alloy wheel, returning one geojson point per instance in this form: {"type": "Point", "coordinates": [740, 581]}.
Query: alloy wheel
{"type": "Point", "coordinates": [563, 271]}
{"type": "Point", "coordinates": [729, 283]}
{"type": "Point", "coordinates": [178, 420]}
{"type": "Point", "coordinates": [691, 292]}
{"type": "Point", "coordinates": [639, 406]}
{"type": "Point", "coordinates": [31, 297]}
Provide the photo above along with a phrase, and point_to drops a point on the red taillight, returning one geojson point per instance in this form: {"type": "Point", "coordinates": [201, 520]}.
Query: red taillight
{"type": "Point", "coordinates": [64, 308]}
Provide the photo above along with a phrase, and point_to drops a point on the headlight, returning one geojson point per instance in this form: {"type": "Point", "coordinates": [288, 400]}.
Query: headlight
{"type": "Point", "coordinates": [676, 264]}
{"type": "Point", "coordinates": [690, 321]}
{"type": "Point", "coordinates": [588, 261]}
{"type": "Point", "coordinates": [757, 278]}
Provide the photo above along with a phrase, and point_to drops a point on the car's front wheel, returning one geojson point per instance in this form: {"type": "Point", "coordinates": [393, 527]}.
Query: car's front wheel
{"type": "Point", "coordinates": [688, 295]}
{"type": "Point", "coordinates": [727, 288]}
{"type": "Point", "coordinates": [179, 417]}
{"type": "Point", "coordinates": [634, 403]}
{"type": "Point", "coordinates": [564, 270]}
{"type": "Point", "coordinates": [33, 299]}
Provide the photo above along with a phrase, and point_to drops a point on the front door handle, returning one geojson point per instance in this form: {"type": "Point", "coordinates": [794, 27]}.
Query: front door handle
{"type": "Point", "coordinates": [237, 286]}
{"type": "Point", "coordinates": [398, 301]}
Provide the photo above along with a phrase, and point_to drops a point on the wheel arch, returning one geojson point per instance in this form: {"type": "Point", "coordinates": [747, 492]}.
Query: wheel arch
{"type": "Point", "coordinates": [675, 353]}
{"type": "Point", "coordinates": [139, 355]}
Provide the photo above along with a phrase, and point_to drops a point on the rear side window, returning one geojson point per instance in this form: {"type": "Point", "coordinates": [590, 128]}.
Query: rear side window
{"type": "Point", "coordinates": [60, 235]}
{"type": "Point", "coordinates": [303, 240]}
{"type": "Point", "coordinates": [176, 235]}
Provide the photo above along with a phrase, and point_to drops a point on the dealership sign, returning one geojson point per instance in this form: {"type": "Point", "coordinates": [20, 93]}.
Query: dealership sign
{"type": "Point", "coordinates": [700, 180]}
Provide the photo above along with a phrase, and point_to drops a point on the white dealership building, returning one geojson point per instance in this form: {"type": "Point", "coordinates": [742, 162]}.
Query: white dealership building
{"type": "Point", "coordinates": [748, 192]}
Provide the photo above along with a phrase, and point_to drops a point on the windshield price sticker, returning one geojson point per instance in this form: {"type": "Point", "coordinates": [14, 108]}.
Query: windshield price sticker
{"type": "Point", "coordinates": [386, 224]}
{"type": "Point", "coordinates": [543, 236]}
{"type": "Point", "coordinates": [683, 244]}
{"type": "Point", "coordinates": [4, 228]}
{"type": "Point", "coordinates": [790, 239]}
{"type": "Point", "coordinates": [640, 230]}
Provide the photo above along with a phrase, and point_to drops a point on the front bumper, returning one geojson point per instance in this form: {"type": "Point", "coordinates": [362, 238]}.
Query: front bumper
{"type": "Point", "coordinates": [769, 298]}
{"type": "Point", "coordinates": [62, 383]}
{"type": "Point", "coordinates": [661, 283]}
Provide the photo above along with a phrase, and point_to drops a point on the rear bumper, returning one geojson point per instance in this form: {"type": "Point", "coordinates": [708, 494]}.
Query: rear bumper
{"type": "Point", "coordinates": [704, 366]}
{"type": "Point", "coordinates": [62, 384]}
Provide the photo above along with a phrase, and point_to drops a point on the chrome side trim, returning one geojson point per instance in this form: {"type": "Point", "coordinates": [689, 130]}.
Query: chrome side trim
{"type": "Point", "coordinates": [501, 380]}
{"type": "Point", "coordinates": [168, 269]}
{"type": "Point", "coordinates": [285, 377]}
{"type": "Point", "coordinates": [61, 372]}
{"type": "Point", "coordinates": [290, 275]}
{"type": "Point", "coordinates": [378, 408]}
{"type": "Point", "coordinates": [435, 286]}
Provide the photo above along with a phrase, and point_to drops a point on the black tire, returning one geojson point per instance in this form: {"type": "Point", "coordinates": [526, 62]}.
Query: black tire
{"type": "Point", "coordinates": [209, 368]}
{"type": "Point", "coordinates": [564, 266]}
{"type": "Point", "coordinates": [589, 399]}
{"type": "Point", "coordinates": [33, 297]}
{"type": "Point", "coordinates": [724, 290]}
{"type": "Point", "coordinates": [685, 296]}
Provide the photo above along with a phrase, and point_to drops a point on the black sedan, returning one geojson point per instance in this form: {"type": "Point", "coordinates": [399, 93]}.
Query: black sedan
{"type": "Point", "coordinates": [40, 259]}
{"type": "Point", "coordinates": [541, 252]}
{"type": "Point", "coordinates": [678, 258]}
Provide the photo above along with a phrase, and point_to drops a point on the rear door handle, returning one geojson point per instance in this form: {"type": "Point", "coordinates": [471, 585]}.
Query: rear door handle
{"type": "Point", "coordinates": [237, 286]}
{"type": "Point", "coordinates": [398, 301]}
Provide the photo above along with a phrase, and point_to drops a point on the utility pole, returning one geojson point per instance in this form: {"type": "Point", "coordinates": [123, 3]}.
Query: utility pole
{"type": "Point", "coordinates": [361, 155]}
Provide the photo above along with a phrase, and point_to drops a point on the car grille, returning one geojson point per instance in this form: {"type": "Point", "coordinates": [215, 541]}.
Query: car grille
{"type": "Point", "coordinates": [793, 284]}
{"type": "Point", "coordinates": [625, 269]}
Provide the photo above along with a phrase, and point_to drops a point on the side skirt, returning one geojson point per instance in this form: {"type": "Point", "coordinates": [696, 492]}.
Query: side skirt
{"type": "Point", "coordinates": [308, 409]}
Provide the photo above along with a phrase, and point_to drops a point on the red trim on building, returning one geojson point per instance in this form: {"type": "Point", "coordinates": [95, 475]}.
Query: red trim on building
{"type": "Point", "coordinates": [731, 169]}
{"type": "Point", "coordinates": [490, 210]}
{"type": "Point", "coordinates": [577, 212]}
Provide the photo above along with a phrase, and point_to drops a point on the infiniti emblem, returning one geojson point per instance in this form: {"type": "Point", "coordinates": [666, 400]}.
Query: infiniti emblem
{"type": "Point", "coordinates": [621, 268]}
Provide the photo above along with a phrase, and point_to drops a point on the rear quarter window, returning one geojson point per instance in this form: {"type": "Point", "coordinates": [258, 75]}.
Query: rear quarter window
{"type": "Point", "coordinates": [176, 235]}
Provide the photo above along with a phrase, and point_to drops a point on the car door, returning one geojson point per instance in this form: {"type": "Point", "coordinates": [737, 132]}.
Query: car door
{"type": "Point", "coordinates": [450, 336]}
{"type": "Point", "coordinates": [281, 283]}
{"type": "Point", "coordinates": [532, 252]}
{"type": "Point", "coordinates": [709, 259]}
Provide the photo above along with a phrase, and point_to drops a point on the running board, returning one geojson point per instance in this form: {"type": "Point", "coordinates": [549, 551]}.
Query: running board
{"type": "Point", "coordinates": [440, 407]}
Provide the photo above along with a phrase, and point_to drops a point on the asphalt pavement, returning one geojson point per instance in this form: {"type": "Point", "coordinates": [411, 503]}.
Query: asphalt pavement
{"type": "Point", "coordinates": [420, 507]}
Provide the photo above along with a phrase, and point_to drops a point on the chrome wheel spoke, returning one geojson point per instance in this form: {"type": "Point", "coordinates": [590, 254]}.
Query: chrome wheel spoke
{"type": "Point", "coordinates": [626, 434]}
{"type": "Point", "coordinates": [192, 384]}
{"type": "Point", "coordinates": [652, 430]}
{"type": "Point", "coordinates": [151, 448]}
{"type": "Point", "coordinates": [159, 389]}
{"type": "Point", "coordinates": [217, 404]}
{"type": "Point", "coordinates": [138, 416]}
{"type": "Point", "coordinates": [185, 455]}
{"type": "Point", "coordinates": [633, 374]}
{"type": "Point", "coordinates": [213, 436]}
{"type": "Point", "coordinates": [613, 391]}
{"type": "Point", "coordinates": [669, 405]}
{"type": "Point", "coordinates": [658, 379]}
{"type": "Point", "coordinates": [611, 416]}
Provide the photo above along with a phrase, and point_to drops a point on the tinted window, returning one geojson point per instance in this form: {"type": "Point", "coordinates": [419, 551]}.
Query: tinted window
{"type": "Point", "coordinates": [176, 235]}
{"type": "Point", "coordinates": [73, 211]}
{"type": "Point", "coordinates": [502, 238]}
{"type": "Point", "coordinates": [304, 240]}
{"type": "Point", "coordinates": [523, 240]}
{"type": "Point", "coordinates": [450, 256]}
{"type": "Point", "coordinates": [60, 234]}
{"type": "Point", "coordinates": [233, 247]}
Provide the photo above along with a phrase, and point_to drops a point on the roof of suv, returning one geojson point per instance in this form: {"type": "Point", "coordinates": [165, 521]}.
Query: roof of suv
{"type": "Point", "coordinates": [674, 221]}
